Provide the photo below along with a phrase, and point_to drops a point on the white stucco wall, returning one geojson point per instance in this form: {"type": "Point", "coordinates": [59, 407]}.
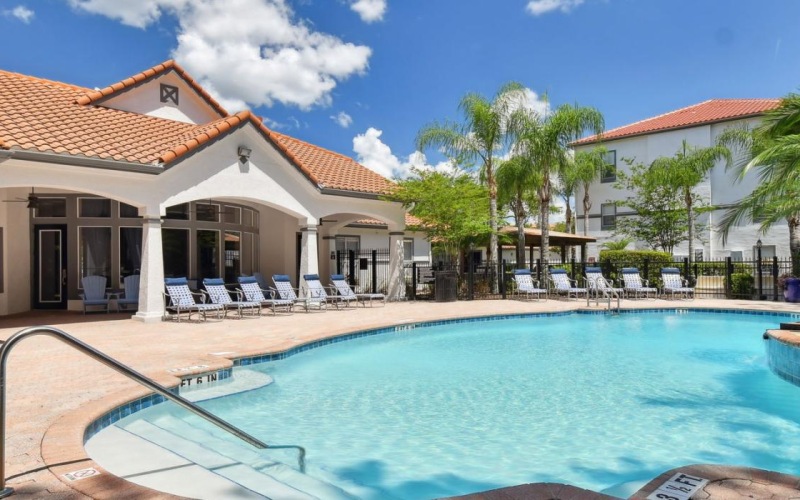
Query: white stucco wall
{"type": "Point", "coordinates": [718, 189]}
{"type": "Point", "coordinates": [14, 219]}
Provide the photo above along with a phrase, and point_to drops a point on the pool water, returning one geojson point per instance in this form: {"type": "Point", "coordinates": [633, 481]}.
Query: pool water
{"type": "Point", "coordinates": [590, 400]}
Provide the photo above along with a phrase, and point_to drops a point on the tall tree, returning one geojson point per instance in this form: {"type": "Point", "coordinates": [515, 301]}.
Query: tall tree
{"type": "Point", "coordinates": [772, 150]}
{"type": "Point", "coordinates": [588, 167]}
{"type": "Point", "coordinates": [516, 189]}
{"type": "Point", "coordinates": [542, 139]}
{"type": "Point", "coordinates": [480, 139]}
{"type": "Point", "coordinates": [685, 170]}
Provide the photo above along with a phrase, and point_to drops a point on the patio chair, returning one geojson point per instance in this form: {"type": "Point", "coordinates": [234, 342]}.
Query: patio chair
{"type": "Point", "coordinates": [634, 284]}
{"type": "Point", "coordinates": [314, 288]}
{"type": "Point", "coordinates": [598, 285]}
{"type": "Point", "coordinates": [94, 292]}
{"type": "Point", "coordinates": [343, 288]}
{"type": "Point", "coordinates": [527, 286]}
{"type": "Point", "coordinates": [253, 292]}
{"type": "Point", "coordinates": [219, 294]}
{"type": "Point", "coordinates": [180, 299]}
{"type": "Point", "coordinates": [130, 295]}
{"type": "Point", "coordinates": [563, 285]}
{"type": "Point", "coordinates": [674, 284]}
{"type": "Point", "coordinates": [285, 291]}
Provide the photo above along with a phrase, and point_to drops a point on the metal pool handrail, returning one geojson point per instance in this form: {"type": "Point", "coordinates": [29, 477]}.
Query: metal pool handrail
{"type": "Point", "coordinates": [124, 370]}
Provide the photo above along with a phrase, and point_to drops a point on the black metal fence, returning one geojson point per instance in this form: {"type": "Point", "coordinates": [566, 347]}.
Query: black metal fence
{"type": "Point", "coordinates": [367, 270]}
{"type": "Point", "coordinates": [722, 278]}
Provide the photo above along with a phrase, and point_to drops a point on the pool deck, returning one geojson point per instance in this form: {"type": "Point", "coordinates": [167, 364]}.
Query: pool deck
{"type": "Point", "coordinates": [54, 392]}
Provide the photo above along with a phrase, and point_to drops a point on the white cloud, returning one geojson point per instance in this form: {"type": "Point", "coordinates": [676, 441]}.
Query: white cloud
{"type": "Point", "coordinates": [536, 103]}
{"type": "Point", "coordinates": [539, 7]}
{"type": "Point", "coordinates": [369, 10]}
{"type": "Point", "coordinates": [21, 12]}
{"type": "Point", "coordinates": [248, 51]}
{"type": "Point", "coordinates": [377, 156]}
{"type": "Point", "coordinates": [342, 119]}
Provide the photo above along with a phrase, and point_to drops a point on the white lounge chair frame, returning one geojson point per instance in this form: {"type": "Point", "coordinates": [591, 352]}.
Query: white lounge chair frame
{"type": "Point", "coordinates": [343, 288]}
{"type": "Point", "coordinates": [179, 298]}
{"type": "Point", "coordinates": [314, 288]}
{"type": "Point", "coordinates": [286, 292]}
{"type": "Point", "coordinates": [635, 285]}
{"type": "Point", "coordinates": [527, 287]}
{"type": "Point", "coordinates": [252, 291]}
{"type": "Point", "coordinates": [598, 285]}
{"type": "Point", "coordinates": [561, 284]}
{"type": "Point", "coordinates": [218, 293]}
{"type": "Point", "coordinates": [674, 284]}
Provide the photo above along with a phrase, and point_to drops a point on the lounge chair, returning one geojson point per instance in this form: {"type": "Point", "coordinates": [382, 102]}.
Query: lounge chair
{"type": "Point", "coordinates": [285, 291]}
{"type": "Point", "coordinates": [253, 292]}
{"type": "Point", "coordinates": [344, 290]}
{"type": "Point", "coordinates": [180, 299]}
{"type": "Point", "coordinates": [673, 283]}
{"type": "Point", "coordinates": [527, 286]}
{"type": "Point", "coordinates": [130, 295]}
{"type": "Point", "coordinates": [563, 285]}
{"type": "Point", "coordinates": [635, 285]}
{"type": "Point", "coordinates": [94, 292]}
{"type": "Point", "coordinates": [219, 294]}
{"type": "Point", "coordinates": [598, 284]}
{"type": "Point", "coordinates": [315, 289]}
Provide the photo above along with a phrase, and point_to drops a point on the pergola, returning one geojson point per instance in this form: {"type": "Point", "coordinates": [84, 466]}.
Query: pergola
{"type": "Point", "coordinates": [533, 239]}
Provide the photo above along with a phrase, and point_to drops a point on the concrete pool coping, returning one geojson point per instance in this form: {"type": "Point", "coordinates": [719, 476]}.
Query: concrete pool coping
{"type": "Point", "coordinates": [78, 391]}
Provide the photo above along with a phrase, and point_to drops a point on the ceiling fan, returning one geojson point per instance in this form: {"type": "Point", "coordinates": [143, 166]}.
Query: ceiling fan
{"type": "Point", "coordinates": [32, 200]}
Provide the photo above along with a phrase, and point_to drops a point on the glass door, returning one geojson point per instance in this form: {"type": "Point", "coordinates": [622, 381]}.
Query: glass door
{"type": "Point", "coordinates": [50, 267]}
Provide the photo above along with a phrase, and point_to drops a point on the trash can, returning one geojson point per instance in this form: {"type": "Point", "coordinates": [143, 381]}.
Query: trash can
{"type": "Point", "coordinates": [446, 286]}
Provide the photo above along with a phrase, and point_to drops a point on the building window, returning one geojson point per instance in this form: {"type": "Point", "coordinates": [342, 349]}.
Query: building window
{"type": "Point", "coordinates": [94, 207]}
{"type": "Point", "coordinates": [346, 243]}
{"type": "Point", "coordinates": [94, 244]}
{"type": "Point", "coordinates": [608, 216]}
{"type": "Point", "coordinates": [207, 254]}
{"type": "Point", "coordinates": [408, 249]}
{"type": "Point", "coordinates": [51, 207]}
{"type": "Point", "coordinates": [128, 211]}
{"type": "Point", "coordinates": [130, 252]}
{"type": "Point", "coordinates": [232, 215]}
{"type": "Point", "coordinates": [609, 172]}
{"type": "Point", "coordinates": [233, 256]}
{"type": "Point", "coordinates": [206, 212]}
{"type": "Point", "coordinates": [175, 243]}
{"type": "Point", "coordinates": [178, 212]}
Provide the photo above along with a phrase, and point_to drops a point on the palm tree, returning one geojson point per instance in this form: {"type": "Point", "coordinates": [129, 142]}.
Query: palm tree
{"type": "Point", "coordinates": [516, 183]}
{"type": "Point", "coordinates": [686, 170]}
{"type": "Point", "coordinates": [773, 151]}
{"type": "Point", "coordinates": [588, 167]}
{"type": "Point", "coordinates": [480, 139]}
{"type": "Point", "coordinates": [543, 140]}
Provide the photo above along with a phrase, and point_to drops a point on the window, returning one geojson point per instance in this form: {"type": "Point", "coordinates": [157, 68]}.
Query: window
{"type": "Point", "coordinates": [51, 207]}
{"type": "Point", "coordinates": [128, 211]}
{"type": "Point", "coordinates": [248, 217]}
{"type": "Point", "coordinates": [346, 243]}
{"type": "Point", "coordinates": [609, 172]}
{"type": "Point", "coordinates": [206, 212]}
{"type": "Point", "coordinates": [175, 243]}
{"type": "Point", "coordinates": [178, 212]}
{"type": "Point", "coordinates": [94, 245]}
{"type": "Point", "coordinates": [232, 215]}
{"type": "Point", "coordinates": [94, 207]}
{"type": "Point", "coordinates": [207, 254]}
{"type": "Point", "coordinates": [130, 251]}
{"type": "Point", "coordinates": [608, 216]}
{"type": "Point", "coordinates": [408, 249]}
{"type": "Point", "coordinates": [233, 255]}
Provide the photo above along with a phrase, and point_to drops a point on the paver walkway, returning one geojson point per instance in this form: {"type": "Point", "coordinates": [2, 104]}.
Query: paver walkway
{"type": "Point", "coordinates": [47, 380]}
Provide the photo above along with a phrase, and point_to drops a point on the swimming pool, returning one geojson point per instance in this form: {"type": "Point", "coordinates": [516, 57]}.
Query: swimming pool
{"type": "Point", "coordinates": [590, 400]}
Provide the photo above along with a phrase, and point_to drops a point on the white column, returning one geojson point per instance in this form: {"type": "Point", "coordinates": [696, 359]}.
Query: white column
{"type": "Point", "coordinates": [151, 281]}
{"type": "Point", "coordinates": [397, 287]}
{"type": "Point", "coordinates": [309, 258]}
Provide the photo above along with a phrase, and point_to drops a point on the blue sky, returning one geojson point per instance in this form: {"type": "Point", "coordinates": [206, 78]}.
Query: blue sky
{"type": "Point", "coordinates": [361, 77]}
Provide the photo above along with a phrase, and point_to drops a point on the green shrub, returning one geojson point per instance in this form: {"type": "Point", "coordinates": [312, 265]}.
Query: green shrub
{"type": "Point", "coordinates": [742, 285]}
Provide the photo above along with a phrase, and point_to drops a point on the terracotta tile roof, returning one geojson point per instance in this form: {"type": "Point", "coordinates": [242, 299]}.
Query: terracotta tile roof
{"type": "Point", "coordinates": [333, 170]}
{"type": "Point", "coordinates": [410, 221]}
{"type": "Point", "coordinates": [54, 117]}
{"type": "Point", "coordinates": [714, 110]}
{"type": "Point", "coordinates": [96, 96]}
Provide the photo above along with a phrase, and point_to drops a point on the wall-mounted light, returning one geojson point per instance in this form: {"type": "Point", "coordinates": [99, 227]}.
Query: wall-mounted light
{"type": "Point", "coordinates": [244, 153]}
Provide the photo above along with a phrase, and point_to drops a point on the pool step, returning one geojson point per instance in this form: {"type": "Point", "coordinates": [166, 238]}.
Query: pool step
{"type": "Point", "coordinates": [262, 475]}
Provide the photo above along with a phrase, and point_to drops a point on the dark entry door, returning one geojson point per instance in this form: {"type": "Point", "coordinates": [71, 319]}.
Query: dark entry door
{"type": "Point", "coordinates": [50, 267]}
